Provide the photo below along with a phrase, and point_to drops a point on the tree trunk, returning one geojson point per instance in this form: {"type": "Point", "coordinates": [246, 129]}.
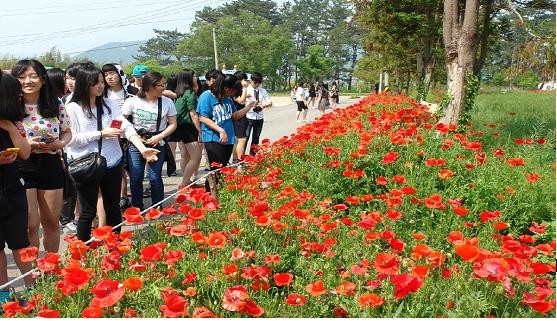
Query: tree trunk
{"type": "Point", "coordinates": [484, 37]}
{"type": "Point", "coordinates": [459, 36]}
{"type": "Point", "coordinates": [353, 64]}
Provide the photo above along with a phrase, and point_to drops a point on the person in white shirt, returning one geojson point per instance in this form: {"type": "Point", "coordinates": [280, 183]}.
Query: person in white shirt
{"type": "Point", "coordinates": [301, 102]}
{"type": "Point", "coordinates": [258, 98]}
{"type": "Point", "coordinates": [87, 98]}
{"type": "Point", "coordinates": [154, 118]}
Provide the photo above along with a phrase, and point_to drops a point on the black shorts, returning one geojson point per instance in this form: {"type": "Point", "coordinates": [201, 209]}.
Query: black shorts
{"type": "Point", "coordinates": [13, 224]}
{"type": "Point", "coordinates": [301, 105]}
{"type": "Point", "coordinates": [240, 127]}
{"type": "Point", "coordinates": [185, 133]}
{"type": "Point", "coordinates": [42, 171]}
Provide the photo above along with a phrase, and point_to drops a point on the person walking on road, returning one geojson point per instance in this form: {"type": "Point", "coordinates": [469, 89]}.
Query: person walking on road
{"type": "Point", "coordinates": [301, 103]}
{"type": "Point", "coordinates": [258, 99]}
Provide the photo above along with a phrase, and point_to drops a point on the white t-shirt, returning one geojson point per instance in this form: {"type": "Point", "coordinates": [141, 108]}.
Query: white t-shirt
{"type": "Point", "coordinates": [300, 94]}
{"type": "Point", "coordinates": [145, 113]}
{"type": "Point", "coordinates": [118, 96]}
{"type": "Point", "coordinates": [263, 98]}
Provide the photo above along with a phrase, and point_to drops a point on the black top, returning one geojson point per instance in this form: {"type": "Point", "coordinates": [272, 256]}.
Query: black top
{"type": "Point", "coordinates": [312, 91]}
{"type": "Point", "coordinates": [10, 178]}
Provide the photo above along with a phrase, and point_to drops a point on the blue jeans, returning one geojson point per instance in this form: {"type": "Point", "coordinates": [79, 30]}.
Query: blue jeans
{"type": "Point", "coordinates": [136, 165]}
{"type": "Point", "coordinates": [257, 126]}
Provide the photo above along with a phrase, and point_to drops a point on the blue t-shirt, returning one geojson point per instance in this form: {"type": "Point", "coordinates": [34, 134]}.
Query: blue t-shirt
{"type": "Point", "coordinates": [221, 113]}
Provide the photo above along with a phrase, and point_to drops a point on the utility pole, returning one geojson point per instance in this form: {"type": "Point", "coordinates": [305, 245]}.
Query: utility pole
{"type": "Point", "coordinates": [215, 49]}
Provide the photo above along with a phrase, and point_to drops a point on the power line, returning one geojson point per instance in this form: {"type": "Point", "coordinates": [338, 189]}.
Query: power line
{"type": "Point", "coordinates": [161, 12]}
{"type": "Point", "coordinates": [101, 49]}
{"type": "Point", "coordinates": [96, 8]}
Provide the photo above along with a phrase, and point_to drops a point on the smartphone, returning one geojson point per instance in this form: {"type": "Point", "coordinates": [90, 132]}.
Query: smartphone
{"type": "Point", "coordinates": [9, 151]}
{"type": "Point", "coordinates": [116, 123]}
{"type": "Point", "coordinates": [47, 139]}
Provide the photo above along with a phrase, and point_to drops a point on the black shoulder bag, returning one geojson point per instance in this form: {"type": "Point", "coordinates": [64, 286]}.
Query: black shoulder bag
{"type": "Point", "coordinates": [89, 167]}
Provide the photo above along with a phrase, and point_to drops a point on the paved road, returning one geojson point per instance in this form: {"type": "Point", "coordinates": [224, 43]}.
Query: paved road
{"type": "Point", "coordinates": [279, 122]}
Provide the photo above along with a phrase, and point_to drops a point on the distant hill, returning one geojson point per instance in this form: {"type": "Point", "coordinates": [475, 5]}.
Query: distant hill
{"type": "Point", "coordinates": [117, 52]}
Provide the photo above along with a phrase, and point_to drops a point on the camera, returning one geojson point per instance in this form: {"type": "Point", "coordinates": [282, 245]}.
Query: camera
{"type": "Point", "coordinates": [257, 109]}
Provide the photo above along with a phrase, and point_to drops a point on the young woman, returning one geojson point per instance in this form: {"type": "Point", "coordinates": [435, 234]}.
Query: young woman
{"type": "Point", "coordinates": [86, 100]}
{"type": "Point", "coordinates": [216, 111]}
{"type": "Point", "coordinates": [154, 118]}
{"type": "Point", "coordinates": [57, 79]}
{"type": "Point", "coordinates": [118, 88]}
{"type": "Point", "coordinates": [13, 209]}
{"type": "Point", "coordinates": [187, 132]}
{"type": "Point", "coordinates": [301, 103]}
{"type": "Point", "coordinates": [323, 98]}
{"type": "Point", "coordinates": [333, 95]}
{"type": "Point", "coordinates": [312, 94]}
{"type": "Point", "coordinates": [48, 130]}
{"type": "Point", "coordinates": [241, 124]}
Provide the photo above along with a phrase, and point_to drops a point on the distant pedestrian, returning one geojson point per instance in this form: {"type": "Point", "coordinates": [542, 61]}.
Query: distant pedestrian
{"type": "Point", "coordinates": [333, 95]}
{"type": "Point", "coordinates": [312, 95]}
{"type": "Point", "coordinates": [301, 103]}
{"type": "Point", "coordinates": [137, 73]}
{"type": "Point", "coordinates": [323, 98]}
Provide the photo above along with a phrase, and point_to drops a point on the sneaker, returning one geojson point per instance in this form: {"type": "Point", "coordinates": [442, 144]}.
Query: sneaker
{"type": "Point", "coordinates": [306, 121]}
{"type": "Point", "coordinates": [70, 228]}
{"type": "Point", "coordinates": [5, 296]}
{"type": "Point", "coordinates": [298, 121]}
{"type": "Point", "coordinates": [124, 203]}
{"type": "Point", "coordinates": [147, 192]}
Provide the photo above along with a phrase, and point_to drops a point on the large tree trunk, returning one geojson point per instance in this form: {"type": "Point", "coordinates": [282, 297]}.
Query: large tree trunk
{"type": "Point", "coordinates": [459, 36]}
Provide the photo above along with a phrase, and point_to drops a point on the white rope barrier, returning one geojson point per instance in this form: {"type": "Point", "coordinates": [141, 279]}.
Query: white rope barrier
{"type": "Point", "coordinates": [36, 270]}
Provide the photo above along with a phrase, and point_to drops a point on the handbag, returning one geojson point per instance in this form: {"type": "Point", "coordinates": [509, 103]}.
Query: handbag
{"type": "Point", "coordinates": [89, 167]}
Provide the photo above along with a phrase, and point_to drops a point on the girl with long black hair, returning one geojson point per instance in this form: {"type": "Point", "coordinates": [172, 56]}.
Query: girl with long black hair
{"type": "Point", "coordinates": [48, 130]}
{"type": "Point", "coordinates": [86, 100]}
{"type": "Point", "coordinates": [13, 202]}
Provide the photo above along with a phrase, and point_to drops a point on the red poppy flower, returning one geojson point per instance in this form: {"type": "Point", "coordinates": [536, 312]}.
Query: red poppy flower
{"type": "Point", "coordinates": [203, 312]}
{"type": "Point", "coordinates": [272, 258]}
{"type": "Point", "coordinates": [153, 214]}
{"type": "Point", "coordinates": [133, 283]}
{"type": "Point", "coordinates": [180, 230]}
{"type": "Point", "coordinates": [196, 214]}
{"type": "Point", "coordinates": [370, 300]}
{"type": "Point", "coordinates": [515, 162]}
{"type": "Point", "coordinates": [252, 309]}
{"type": "Point", "coordinates": [346, 288]}
{"type": "Point", "coordinates": [48, 313]}
{"type": "Point", "coordinates": [386, 263]}
{"type": "Point", "coordinates": [390, 157]}
{"type": "Point", "coordinates": [102, 233]}
{"type": "Point", "coordinates": [434, 201]}
{"type": "Point", "coordinates": [295, 299]}
{"type": "Point", "coordinates": [405, 283]}
{"type": "Point", "coordinates": [419, 236]}
{"type": "Point", "coordinates": [316, 289]}
{"type": "Point", "coordinates": [171, 257]}
{"type": "Point", "coordinates": [340, 207]}
{"type": "Point", "coordinates": [381, 180]}
{"type": "Point", "coordinates": [500, 225]}
{"type": "Point", "coordinates": [92, 312]}
{"type": "Point", "coordinates": [283, 279]}
{"type": "Point", "coordinates": [132, 216]}
{"type": "Point", "coordinates": [151, 253]}
{"type": "Point", "coordinates": [467, 252]}
{"type": "Point", "coordinates": [340, 312]}
{"type": "Point", "coordinates": [532, 177]}
{"type": "Point", "coordinates": [216, 240]}
{"type": "Point", "coordinates": [260, 284]}
{"type": "Point", "coordinates": [538, 228]}
{"type": "Point", "coordinates": [28, 254]}
{"type": "Point", "coordinates": [445, 174]}
{"type": "Point", "coordinates": [234, 298]}
{"type": "Point", "coordinates": [109, 298]}
{"type": "Point", "coordinates": [420, 271]}
{"type": "Point", "coordinates": [174, 306]}
{"type": "Point", "coordinates": [49, 262]}
{"type": "Point", "coordinates": [461, 211]}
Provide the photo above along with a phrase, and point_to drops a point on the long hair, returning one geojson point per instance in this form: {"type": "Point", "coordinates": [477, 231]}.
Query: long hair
{"type": "Point", "coordinates": [221, 82]}
{"type": "Point", "coordinates": [57, 79]}
{"type": "Point", "coordinates": [49, 106]}
{"type": "Point", "coordinates": [184, 82]}
{"type": "Point", "coordinates": [11, 102]}
{"type": "Point", "coordinates": [86, 77]}
{"type": "Point", "coordinates": [149, 81]}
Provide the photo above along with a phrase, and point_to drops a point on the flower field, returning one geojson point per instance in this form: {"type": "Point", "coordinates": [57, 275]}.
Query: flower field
{"type": "Point", "coordinates": [371, 211]}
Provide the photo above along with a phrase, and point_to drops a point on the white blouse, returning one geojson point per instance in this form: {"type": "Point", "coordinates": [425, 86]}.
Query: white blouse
{"type": "Point", "coordinates": [85, 134]}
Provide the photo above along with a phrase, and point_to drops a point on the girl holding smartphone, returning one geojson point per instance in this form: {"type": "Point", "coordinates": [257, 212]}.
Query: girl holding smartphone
{"type": "Point", "coordinates": [48, 130]}
{"type": "Point", "coordinates": [86, 100]}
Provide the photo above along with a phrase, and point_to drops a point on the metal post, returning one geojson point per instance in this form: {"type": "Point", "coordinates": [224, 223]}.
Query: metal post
{"type": "Point", "coordinates": [215, 49]}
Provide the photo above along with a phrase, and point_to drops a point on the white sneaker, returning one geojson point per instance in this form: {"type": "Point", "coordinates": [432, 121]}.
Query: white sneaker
{"type": "Point", "coordinates": [298, 121]}
{"type": "Point", "coordinates": [306, 121]}
{"type": "Point", "coordinates": [70, 228]}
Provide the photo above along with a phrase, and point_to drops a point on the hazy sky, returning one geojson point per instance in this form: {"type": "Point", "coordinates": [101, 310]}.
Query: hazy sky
{"type": "Point", "coordinates": [33, 27]}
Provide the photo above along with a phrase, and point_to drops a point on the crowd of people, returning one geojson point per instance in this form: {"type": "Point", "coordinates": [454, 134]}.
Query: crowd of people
{"type": "Point", "coordinates": [50, 119]}
{"type": "Point", "coordinates": [305, 94]}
